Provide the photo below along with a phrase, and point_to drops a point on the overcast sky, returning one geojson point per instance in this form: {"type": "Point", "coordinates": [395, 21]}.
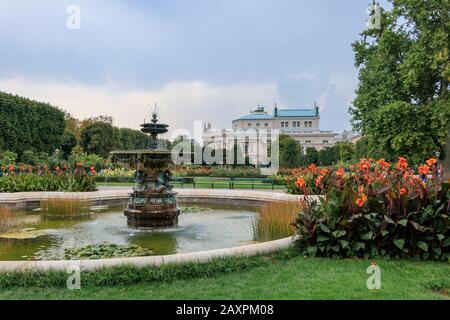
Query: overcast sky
{"type": "Point", "coordinates": [210, 60]}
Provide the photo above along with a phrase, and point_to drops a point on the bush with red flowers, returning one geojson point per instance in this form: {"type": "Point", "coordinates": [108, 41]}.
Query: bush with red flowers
{"type": "Point", "coordinates": [28, 178]}
{"type": "Point", "coordinates": [376, 210]}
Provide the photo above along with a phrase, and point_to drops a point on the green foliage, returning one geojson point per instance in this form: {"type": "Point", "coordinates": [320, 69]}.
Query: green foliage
{"type": "Point", "coordinates": [90, 160]}
{"type": "Point", "coordinates": [68, 142]}
{"type": "Point", "coordinates": [7, 158]}
{"type": "Point", "coordinates": [290, 152]}
{"type": "Point", "coordinates": [105, 250]}
{"type": "Point", "coordinates": [33, 158]}
{"type": "Point", "coordinates": [29, 125]}
{"type": "Point", "coordinates": [129, 139]}
{"type": "Point", "coordinates": [47, 182]}
{"type": "Point", "coordinates": [99, 138]}
{"type": "Point", "coordinates": [378, 214]}
{"type": "Point", "coordinates": [328, 156]}
{"type": "Point", "coordinates": [128, 275]}
{"type": "Point", "coordinates": [402, 103]}
{"type": "Point", "coordinates": [311, 156]}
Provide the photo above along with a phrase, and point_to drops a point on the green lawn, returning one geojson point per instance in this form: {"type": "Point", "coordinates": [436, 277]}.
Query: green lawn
{"type": "Point", "coordinates": [256, 278]}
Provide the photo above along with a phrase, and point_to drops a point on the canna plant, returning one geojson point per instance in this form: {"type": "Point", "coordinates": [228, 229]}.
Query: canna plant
{"type": "Point", "coordinates": [378, 210]}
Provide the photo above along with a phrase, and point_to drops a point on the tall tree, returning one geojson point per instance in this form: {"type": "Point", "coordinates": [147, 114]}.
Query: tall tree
{"type": "Point", "coordinates": [402, 102]}
{"type": "Point", "coordinates": [99, 138]}
{"type": "Point", "coordinates": [290, 151]}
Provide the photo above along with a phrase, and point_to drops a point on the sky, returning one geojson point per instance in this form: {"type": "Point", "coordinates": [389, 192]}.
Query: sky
{"type": "Point", "coordinates": [208, 60]}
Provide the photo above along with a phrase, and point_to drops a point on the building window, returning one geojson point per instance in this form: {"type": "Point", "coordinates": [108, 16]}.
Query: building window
{"type": "Point", "coordinates": [282, 124]}
{"type": "Point", "coordinates": [287, 123]}
{"type": "Point", "coordinates": [310, 124]}
{"type": "Point", "coordinates": [325, 141]}
{"type": "Point", "coordinates": [257, 124]}
{"type": "Point", "coordinates": [308, 141]}
{"type": "Point", "coordinates": [294, 124]}
{"type": "Point", "coordinates": [306, 124]}
{"type": "Point", "coordinates": [249, 124]}
{"type": "Point", "coordinates": [266, 124]}
{"type": "Point", "coordinates": [298, 124]}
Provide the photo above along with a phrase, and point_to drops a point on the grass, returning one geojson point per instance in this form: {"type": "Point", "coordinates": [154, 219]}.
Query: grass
{"type": "Point", "coordinates": [283, 275]}
{"type": "Point", "coordinates": [58, 207]}
{"type": "Point", "coordinates": [275, 220]}
{"type": "Point", "coordinates": [8, 222]}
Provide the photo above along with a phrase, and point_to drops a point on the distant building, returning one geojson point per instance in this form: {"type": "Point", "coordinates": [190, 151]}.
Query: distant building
{"type": "Point", "coordinates": [301, 124]}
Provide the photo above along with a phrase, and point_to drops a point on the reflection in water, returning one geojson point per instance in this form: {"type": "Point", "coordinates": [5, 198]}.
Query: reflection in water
{"type": "Point", "coordinates": [213, 229]}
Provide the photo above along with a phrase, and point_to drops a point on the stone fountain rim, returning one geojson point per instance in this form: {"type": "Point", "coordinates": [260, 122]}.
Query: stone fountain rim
{"type": "Point", "coordinates": [199, 256]}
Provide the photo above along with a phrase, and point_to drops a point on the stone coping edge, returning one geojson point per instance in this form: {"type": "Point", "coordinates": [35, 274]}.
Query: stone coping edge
{"type": "Point", "coordinates": [178, 258]}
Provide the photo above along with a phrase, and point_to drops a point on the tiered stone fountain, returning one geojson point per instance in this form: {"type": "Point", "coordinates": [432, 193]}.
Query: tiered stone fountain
{"type": "Point", "coordinates": [152, 203]}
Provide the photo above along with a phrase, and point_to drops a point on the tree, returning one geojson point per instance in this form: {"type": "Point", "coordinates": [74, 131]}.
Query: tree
{"type": "Point", "coordinates": [68, 142]}
{"type": "Point", "coordinates": [29, 125]}
{"type": "Point", "coordinates": [290, 152]}
{"type": "Point", "coordinates": [345, 149]}
{"type": "Point", "coordinates": [328, 156]}
{"type": "Point", "coordinates": [361, 149]}
{"type": "Point", "coordinates": [402, 103]}
{"type": "Point", "coordinates": [99, 138]}
{"type": "Point", "coordinates": [311, 156]}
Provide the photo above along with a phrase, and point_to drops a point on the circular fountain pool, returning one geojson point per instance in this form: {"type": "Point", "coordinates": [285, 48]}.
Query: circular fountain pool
{"type": "Point", "coordinates": [215, 228]}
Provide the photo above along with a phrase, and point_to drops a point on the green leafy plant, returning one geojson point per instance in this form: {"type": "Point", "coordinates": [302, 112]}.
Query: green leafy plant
{"type": "Point", "coordinates": [379, 210]}
{"type": "Point", "coordinates": [105, 250]}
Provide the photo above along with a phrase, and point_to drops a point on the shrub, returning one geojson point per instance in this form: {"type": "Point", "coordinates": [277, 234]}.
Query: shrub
{"type": "Point", "coordinates": [27, 178]}
{"type": "Point", "coordinates": [276, 220]}
{"type": "Point", "coordinates": [378, 210]}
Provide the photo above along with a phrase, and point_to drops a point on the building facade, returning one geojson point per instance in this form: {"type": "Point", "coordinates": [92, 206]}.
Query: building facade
{"type": "Point", "coordinates": [301, 124]}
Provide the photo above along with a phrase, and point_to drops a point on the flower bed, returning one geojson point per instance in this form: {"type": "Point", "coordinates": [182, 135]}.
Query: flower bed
{"type": "Point", "coordinates": [28, 178]}
{"type": "Point", "coordinates": [377, 209]}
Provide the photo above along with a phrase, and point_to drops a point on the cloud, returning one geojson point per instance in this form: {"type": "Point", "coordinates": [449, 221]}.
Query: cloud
{"type": "Point", "coordinates": [180, 103]}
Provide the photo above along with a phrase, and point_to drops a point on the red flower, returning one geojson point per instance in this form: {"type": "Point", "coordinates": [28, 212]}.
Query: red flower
{"type": "Point", "coordinates": [383, 163]}
{"type": "Point", "coordinates": [11, 168]}
{"type": "Point", "coordinates": [364, 164]}
{"type": "Point", "coordinates": [402, 164]}
{"type": "Point", "coordinates": [57, 168]}
{"type": "Point", "coordinates": [424, 169]}
{"type": "Point", "coordinates": [403, 191]}
{"type": "Point", "coordinates": [340, 172]}
{"type": "Point", "coordinates": [300, 183]}
{"type": "Point", "coordinates": [361, 201]}
{"type": "Point", "coordinates": [431, 161]}
{"type": "Point", "coordinates": [319, 180]}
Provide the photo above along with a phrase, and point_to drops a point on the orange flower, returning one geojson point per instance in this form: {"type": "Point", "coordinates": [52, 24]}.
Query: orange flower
{"type": "Point", "coordinates": [11, 168]}
{"type": "Point", "coordinates": [383, 163]}
{"type": "Point", "coordinates": [431, 161]}
{"type": "Point", "coordinates": [402, 164]}
{"type": "Point", "coordinates": [340, 172]}
{"type": "Point", "coordinates": [403, 191]}
{"type": "Point", "coordinates": [361, 201]}
{"type": "Point", "coordinates": [319, 180]}
{"type": "Point", "coordinates": [300, 183]}
{"type": "Point", "coordinates": [424, 169]}
{"type": "Point", "coordinates": [364, 164]}
{"type": "Point", "coordinates": [351, 168]}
